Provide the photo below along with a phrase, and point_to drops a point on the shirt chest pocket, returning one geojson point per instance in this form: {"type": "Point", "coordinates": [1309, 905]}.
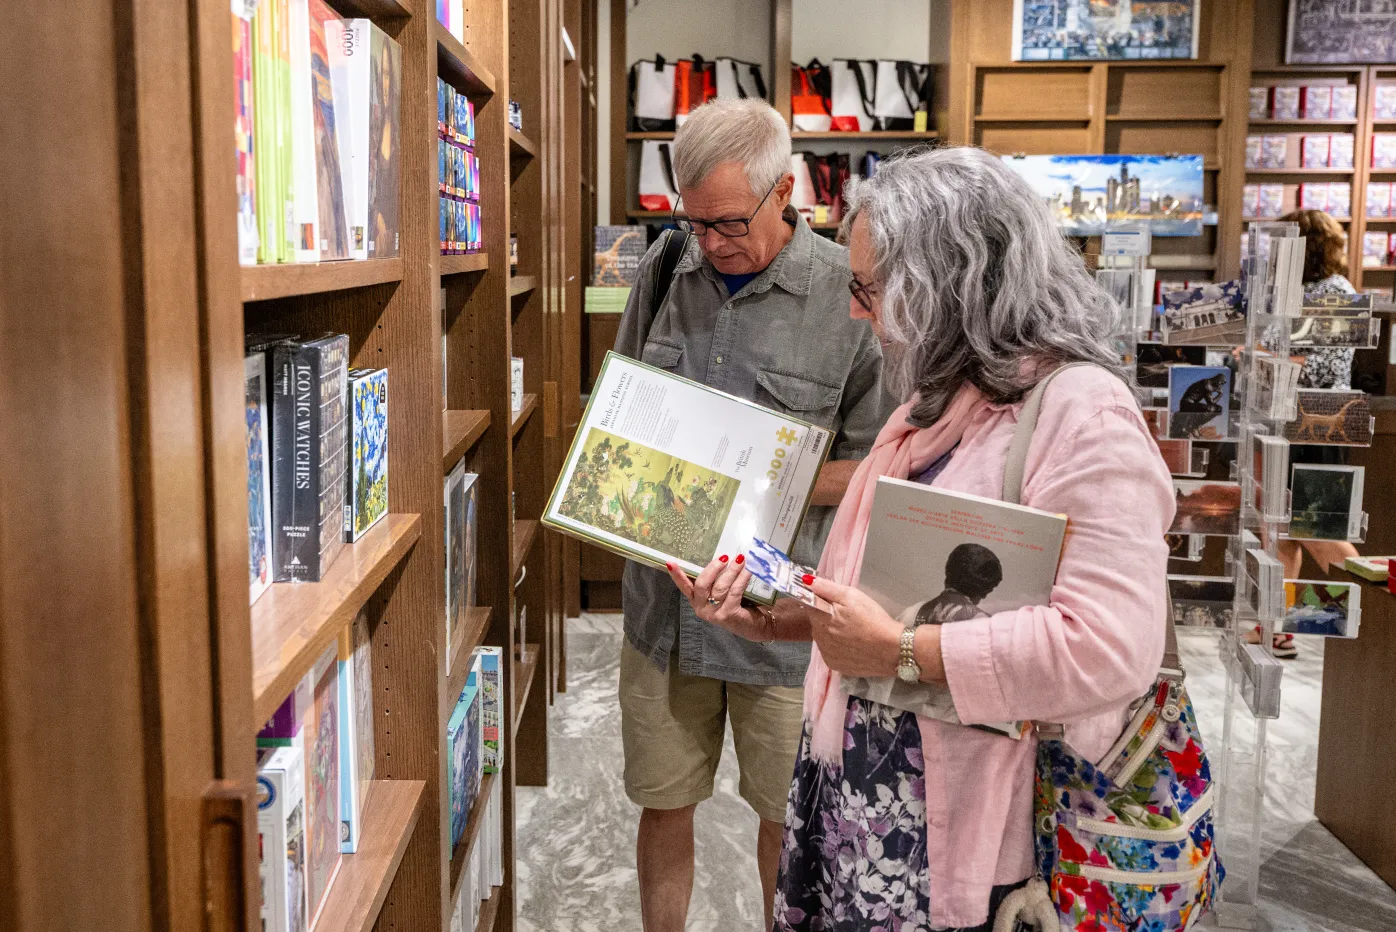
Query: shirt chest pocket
{"type": "Point", "coordinates": [798, 396]}
{"type": "Point", "coordinates": [661, 355]}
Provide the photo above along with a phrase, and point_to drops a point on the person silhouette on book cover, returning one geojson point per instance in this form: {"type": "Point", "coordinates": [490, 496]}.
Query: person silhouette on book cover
{"type": "Point", "coordinates": [972, 572]}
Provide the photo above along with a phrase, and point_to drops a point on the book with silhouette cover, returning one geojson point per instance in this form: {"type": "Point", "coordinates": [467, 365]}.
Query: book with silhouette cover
{"type": "Point", "coordinates": [665, 469]}
{"type": "Point", "coordinates": [934, 556]}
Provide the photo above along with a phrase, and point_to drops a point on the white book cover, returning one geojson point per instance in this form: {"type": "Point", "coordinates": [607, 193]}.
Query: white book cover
{"type": "Point", "coordinates": [935, 556]}
{"type": "Point", "coordinates": [348, 42]}
{"type": "Point", "coordinates": [356, 730]}
{"type": "Point", "coordinates": [256, 411]}
{"type": "Point", "coordinates": [281, 837]}
{"type": "Point", "coordinates": [666, 469]}
{"type": "Point", "coordinates": [306, 207]}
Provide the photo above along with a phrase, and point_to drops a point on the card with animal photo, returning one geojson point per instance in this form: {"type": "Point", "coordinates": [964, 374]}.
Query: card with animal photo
{"type": "Point", "coordinates": [1326, 502]}
{"type": "Point", "coordinates": [1211, 508]}
{"type": "Point", "coordinates": [1323, 608]}
{"type": "Point", "coordinates": [1153, 360]}
{"type": "Point", "coordinates": [1202, 601]}
{"type": "Point", "coordinates": [1199, 402]}
{"type": "Point", "coordinates": [1331, 416]}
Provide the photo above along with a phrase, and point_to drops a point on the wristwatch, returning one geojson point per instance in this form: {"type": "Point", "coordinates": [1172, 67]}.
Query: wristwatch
{"type": "Point", "coordinates": [908, 671]}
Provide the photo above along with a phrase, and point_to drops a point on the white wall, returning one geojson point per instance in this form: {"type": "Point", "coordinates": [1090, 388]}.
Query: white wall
{"type": "Point", "coordinates": [711, 28]}
{"type": "Point", "coordinates": [828, 29]}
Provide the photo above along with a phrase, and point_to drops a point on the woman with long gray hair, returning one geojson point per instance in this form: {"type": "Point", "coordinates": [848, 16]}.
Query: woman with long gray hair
{"type": "Point", "coordinates": [900, 822]}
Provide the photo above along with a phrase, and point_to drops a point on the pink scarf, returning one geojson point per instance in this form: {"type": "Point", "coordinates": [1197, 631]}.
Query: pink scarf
{"type": "Point", "coordinates": [900, 452]}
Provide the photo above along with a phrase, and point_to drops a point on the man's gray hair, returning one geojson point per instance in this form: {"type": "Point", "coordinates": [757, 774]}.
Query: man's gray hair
{"type": "Point", "coordinates": [977, 280]}
{"type": "Point", "coordinates": [750, 131]}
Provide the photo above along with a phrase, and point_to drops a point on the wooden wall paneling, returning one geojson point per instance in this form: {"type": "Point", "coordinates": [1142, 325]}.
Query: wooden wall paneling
{"type": "Point", "coordinates": [575, 185]}
{"type": "Point", "coordinates": [1172, 93]}
{"type": "Point", "coordinates": [71, 622]}
{"type": "Point", "coordinates": [550, 549]}
{"type": "Point", "coordinates": [781, 24]}
{"type": "Point", "coordinates": [1021, 138]}
{"type": "Point", "coordinates": [1099, 86]}
{"type": "Point", "coordinates": [620, 118]}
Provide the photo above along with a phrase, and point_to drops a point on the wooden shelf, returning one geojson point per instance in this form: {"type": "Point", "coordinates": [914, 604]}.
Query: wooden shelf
{"type": "Point", "coordinates": [1273, 122]}
{"type": "Point", "coordinates": [798, 135]}
{"type": "Point", "coordinates": [526, 667]}
{"type": "Point", "coordinates": [1379, 268]}
{"type": "Point", "coordinates": [1037, 117]}
{"type": "Point", "coordinates": [1182, 262]}
{"type": "Point", "coordinates": [522, 284]}
{"type": "Point", "coordinates": [490, 911]}
{"type": "Point", "coordinates": [293, 623]}
{"type": "Point", "coordinates": [364, 878]}
{"type": "Point", "coordinates": [460, 430]}
{"type": "Point", "coordinates": [521, 416]}
{"type": "Point", "coordinates": [265, 282]}
{"type": "Point", "coordinates": [1163, 118]}
{"type": "Point", "coordinates": [459, 66]}
{"type": "Point", "coordinates": [1299, 171]}
{"type": "Point", "coordinates": [460, 854]}
{"type": "Point", "coordinates": [477, 622]}
{"type": "Point", "coordinates": [636, 137]}
{"type": "Point", "coordinates": [652, 214]}
{"type": "Point", "coordinates": [524, 533]}
{"type": "Point", "coordinates": [460, 264]}
{"type": "Point", "coordinates": [1245, 220]}
{"type": "Point", "coordinates": [520, 146]}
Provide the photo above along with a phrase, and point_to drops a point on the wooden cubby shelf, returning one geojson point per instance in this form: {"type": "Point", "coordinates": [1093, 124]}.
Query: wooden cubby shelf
{"type": "Point", "coordinates": [477, 622]}
{"type": "Point", "coordinates": [490, 911]}
{"type": "Point", "coordinates": [650, 214]}
{"type": "Point", "coordinates": [1302, 123]}
{"type": "Point", "coordinates": [525, 531]}
{"type": "Point", "coordinates": [265, 282]}
{"type": "Point", "coordinates": [527, 666]}
{"type": "Point", "coordinates": [1299, 171]}
{"type": "Point", "coordinates": [293, 623]}
{"type": "Point", "coordinates": [377, 9]}
{"type": "Point", "coordinates": [521, 416]}
{"type": "Point", "coordinates": [364, 878]}
{"type": "Point", "coordinates": [520, 146]}
{"type": "Point", "coordinates": [460, 430]}
{"type": "Point", "coordinates": [637, 137]}
{"type": "Point", "coordinates": [459, 66]}
{"type": "Point", "coordinates": [522, 284]}
{"type": "Point", "coordinates": [874, 134]}
{"type": "Point", "coordinates": [461, 264]}
{"type": "Point", "coordinates": [460, 854]}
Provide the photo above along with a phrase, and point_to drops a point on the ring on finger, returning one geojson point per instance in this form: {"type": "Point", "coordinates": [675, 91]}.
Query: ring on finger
{"type": "Point", "coordinates": [712, 601]}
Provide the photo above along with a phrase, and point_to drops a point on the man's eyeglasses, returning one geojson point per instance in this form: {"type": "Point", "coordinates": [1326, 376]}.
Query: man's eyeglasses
{"type": "Point", "coordinates": [862, 293]}
{"type": "Point", "coordinates": [732, 228]}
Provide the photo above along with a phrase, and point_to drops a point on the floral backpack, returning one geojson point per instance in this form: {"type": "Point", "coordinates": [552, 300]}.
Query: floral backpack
{"type": "Point", "coordinates": [1127, 844]}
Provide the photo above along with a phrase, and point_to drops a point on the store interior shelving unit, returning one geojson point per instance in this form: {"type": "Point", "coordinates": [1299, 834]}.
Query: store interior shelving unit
{"type": "Point", "coordinates": [1147, 107]}
{"type": "Point", "coordinates": [1268, 62]}
{"type": "Point", "coordinates": [155, 671]}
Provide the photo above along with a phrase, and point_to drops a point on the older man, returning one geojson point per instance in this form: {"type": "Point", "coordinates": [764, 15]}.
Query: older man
{"type": "Point", "coordinates": [757, 306]}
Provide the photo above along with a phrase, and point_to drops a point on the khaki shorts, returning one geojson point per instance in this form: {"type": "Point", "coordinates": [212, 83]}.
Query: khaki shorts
{"type": "Point", "coordinates": [673, 723]}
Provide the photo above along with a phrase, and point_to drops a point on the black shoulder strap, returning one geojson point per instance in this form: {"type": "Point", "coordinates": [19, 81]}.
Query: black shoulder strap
{"type": "Point", "coordinates": [675, 245]}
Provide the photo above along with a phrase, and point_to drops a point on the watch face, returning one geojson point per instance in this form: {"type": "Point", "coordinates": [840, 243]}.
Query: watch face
{"type": "Point", "coordinates": [908, 673]}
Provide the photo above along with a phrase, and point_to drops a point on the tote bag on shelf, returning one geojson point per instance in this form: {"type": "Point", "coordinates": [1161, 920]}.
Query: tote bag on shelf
{"type": "Point", "coordinates": [851, 95]}
{"type": "Point", "coordinates": [901, 89]}
{"type": "Point", "coordinates": [738, 80]}
{"type": "Point", "coordinates": [802, 196]}
{"type": "Point", "coordinates": [657, 188]}
{"type": "Point", "coordinates": [694, 85]}
{"type": "Point", "coordinates": [809, 97]}
{"type": "Point", "coordinates": [652, 96]}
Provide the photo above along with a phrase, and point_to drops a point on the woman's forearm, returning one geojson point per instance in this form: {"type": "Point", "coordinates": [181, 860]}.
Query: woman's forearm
{"type": "Point", "coordinates": [792, 621]}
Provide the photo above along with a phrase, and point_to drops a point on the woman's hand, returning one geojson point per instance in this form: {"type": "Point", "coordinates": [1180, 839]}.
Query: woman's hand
{"type": "Point", "coordinates": [857, 638]}
{"type": "Point", "coordinates": [716, 597]}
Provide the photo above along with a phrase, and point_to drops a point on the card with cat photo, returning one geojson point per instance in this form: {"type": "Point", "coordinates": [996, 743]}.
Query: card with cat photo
{"type": "Point", "coordinates": [1202, 601]}
{"type": "Point", "coordinates": [1327, 609]}
{"type": "Point", "coordinates": [1325, 502]}
{"type": "Point", "coordinates": [1331, 416]}
{"type": "Point", "coordinates": [1153, 360]}
{"type": "Point", "coordinates": [1199, 402]}
{"type": "Point", "coordinates": [1211, 508]}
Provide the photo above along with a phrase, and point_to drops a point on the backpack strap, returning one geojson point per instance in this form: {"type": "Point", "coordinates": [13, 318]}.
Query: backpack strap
{"type": "Point", "coordinates": [675, 246]}
{"type": "Point", "coordinates": [1013, 492]}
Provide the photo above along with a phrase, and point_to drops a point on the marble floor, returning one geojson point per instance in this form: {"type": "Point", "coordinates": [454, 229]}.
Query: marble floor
{"type": "Point", "coordinates": [576, 837]}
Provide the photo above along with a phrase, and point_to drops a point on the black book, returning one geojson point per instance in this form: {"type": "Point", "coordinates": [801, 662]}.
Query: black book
{"type": "Point", "coordinates": [309, 455]}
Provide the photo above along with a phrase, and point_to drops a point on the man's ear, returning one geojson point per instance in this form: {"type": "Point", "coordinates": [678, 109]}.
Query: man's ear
{"type": "Point", "coordinates": [782, 191]}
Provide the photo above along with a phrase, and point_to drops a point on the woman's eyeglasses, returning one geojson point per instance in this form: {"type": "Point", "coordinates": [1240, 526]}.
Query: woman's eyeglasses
{"type": "Point", "coordinates": [862, 293]}
{"type": "Point", "coordinates": [733, 228]}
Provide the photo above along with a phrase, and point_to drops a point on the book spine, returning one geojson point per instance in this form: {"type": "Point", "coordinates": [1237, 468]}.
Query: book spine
{"type": "Point", "coordinates": [264, 161]}
{"type": "Point", "coordinates": [284, 118]}
{"type": "Point", "coordinates": [332, 388]}
{"type": "Point", "coordinates": [305, 209]}
{"type": "Point", "coordinates": [296, 469]}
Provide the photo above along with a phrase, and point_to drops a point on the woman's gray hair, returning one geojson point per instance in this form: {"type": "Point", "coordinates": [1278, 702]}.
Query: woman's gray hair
{"type": "Point", "coordinates": [977, 279]}
{"type": "Point", "coordinates": [751, 132]}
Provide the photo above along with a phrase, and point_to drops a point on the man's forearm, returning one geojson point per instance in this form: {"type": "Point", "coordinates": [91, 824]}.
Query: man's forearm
{"type": "Point", "coordinates": [833, 482]}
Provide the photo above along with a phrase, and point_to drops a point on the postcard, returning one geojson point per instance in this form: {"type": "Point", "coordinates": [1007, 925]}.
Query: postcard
{"type": "Point", "coordinates": [1186, 547]}
{"type": "Point", "coordinates": [1324, 608]}
{"type": "Point", "coordinates": [1199, 402]}
{"type": "Point", "coordinates": [1208, 315]}
{"type": "Point", "coordinates": [1177, 456]}
{"type": "Point", "coordinates": [1104, 30]}
{"type": "Point", "coordinates": [1202, 601]}
{"type": "Point", "coordinates": [1153, 360]}
{"type": "Point", "coordinates": [1088, 194]}
{"type": "Point", "coordinates": [1325, 502]}
{"type": "Point", "coordinates": [1210, 508]}
{"type": "Point", "coordinates": [1331, 416]}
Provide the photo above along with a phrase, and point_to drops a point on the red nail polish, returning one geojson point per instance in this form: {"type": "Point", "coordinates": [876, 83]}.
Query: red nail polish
{"type": "Point", "coordinates": [722, 559]}
{"type": "Point", "coordinates": [807, 579]}
{"type": "Point", "coordinates": [668, 566]}
{"type": "Point", "coordinates": [741, 558]}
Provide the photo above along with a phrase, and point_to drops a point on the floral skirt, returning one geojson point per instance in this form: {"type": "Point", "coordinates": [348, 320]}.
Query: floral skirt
{"type": "Point", "coordinates": [853, 857]}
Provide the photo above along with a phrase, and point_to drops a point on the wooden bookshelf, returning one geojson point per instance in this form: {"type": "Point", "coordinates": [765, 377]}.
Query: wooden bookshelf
{"type": "Point", "coordinates": [266, 282]}
{"type": "Point", "coordinates": [293, 623]}
{"type": "Point", "coordinates": [637, 137]}
{"type": "Point", "coordinates": [461, 264]}
{"type": "Point", "coordinates": [520, 417]}
{"type": "Point", "coordinates": [460, 66]}
{"type": "Point", "coordinates": [460, 430]}
{"type": "Point", "coordinates": [528, 666]}
{"type": "Point", "coordinates": [489, 912]}
{"type": "Point", "coordinates": [524, 532]}
{"type": "Point", "coordinates": [460, 854]}
{"type": "Point", "coordinates": [379, 9]}
{"type": "Point", "coordinates": [477, 626]}
{"type": "Point", "coordinates": [361, 887]}
{"type": "Point", "coordinates": [875, 135]}
{"type": "Point", "coordinates": [522, 285]}
{"type": "Point", "coordinates": [520, 146]}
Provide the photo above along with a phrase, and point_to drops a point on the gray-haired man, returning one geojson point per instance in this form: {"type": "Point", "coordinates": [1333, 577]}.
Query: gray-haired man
{"type": "Point", "coordinates": [757, 307]}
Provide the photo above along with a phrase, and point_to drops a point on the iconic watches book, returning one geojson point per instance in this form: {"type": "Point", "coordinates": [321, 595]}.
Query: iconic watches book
{"type": "Point", "coordinates": [666, 469]}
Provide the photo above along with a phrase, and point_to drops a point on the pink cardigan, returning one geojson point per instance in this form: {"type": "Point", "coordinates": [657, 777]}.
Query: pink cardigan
{"type": "Point", "coordinates": [1079, 661]}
